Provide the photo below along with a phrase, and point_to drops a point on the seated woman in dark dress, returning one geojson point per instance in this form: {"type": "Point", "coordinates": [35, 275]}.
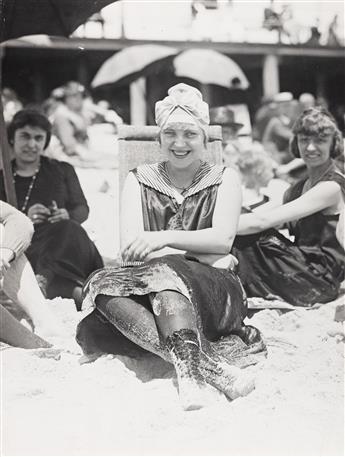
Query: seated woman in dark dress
{"type": "Point", "coordinates": [179, 299]}
{"type": "Point", "coordinates": [310, 269]}
{"type": "Point", "coordinates": [49, 192]}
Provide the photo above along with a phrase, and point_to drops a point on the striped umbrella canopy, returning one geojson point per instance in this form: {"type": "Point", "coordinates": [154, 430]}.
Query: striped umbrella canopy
{"type": "Point", "coordinates": [203, 65]}
{"type": "Point", "coordinates": [130, 63]}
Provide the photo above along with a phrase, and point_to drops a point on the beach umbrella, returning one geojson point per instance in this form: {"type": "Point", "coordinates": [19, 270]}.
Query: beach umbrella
{"type": "Point", "coordinates": [131, 63]}
{"type": "Point", "coordinates": [203, 65]}
{"type": "Point", "coordinates": [49, 17]}
{"type": "Point", "coordinates": [34, 17]}
{"type": "Point", "coordinates": [210, 67]}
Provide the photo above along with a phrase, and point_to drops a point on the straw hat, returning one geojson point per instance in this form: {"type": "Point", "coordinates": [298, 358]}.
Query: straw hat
{"type": "Point", "coordinates": [223, 115]}
{"type": "Point", "coordinates": [283, 97]}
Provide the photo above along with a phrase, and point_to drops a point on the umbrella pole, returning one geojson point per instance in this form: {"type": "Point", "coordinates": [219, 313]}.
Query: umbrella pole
{"type": "Point", "coordinates": [5, 161]}
{"type": "Point", "coordinates": [5, 156]}
{"type": "Point", "coordinates": [137, 100]}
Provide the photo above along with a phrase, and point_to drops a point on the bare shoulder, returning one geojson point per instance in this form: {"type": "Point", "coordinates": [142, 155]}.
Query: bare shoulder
{"type": "Point", "coordinates": [231, 176]}
{"type": "Point", "coordinates": [330, 188]}
{"type": "Point", "coordinates": [131, 179]}
{"type": "Point", "coordinates": [131, 184]}
{"type": "Point", "coordinates": [331, 193]}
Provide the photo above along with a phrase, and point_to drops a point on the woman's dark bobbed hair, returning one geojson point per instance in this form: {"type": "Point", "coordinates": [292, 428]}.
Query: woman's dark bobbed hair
{"type": "Point", "coordinates": [32, 118]}
{"type": "Point", "coordinates": [317, 122]}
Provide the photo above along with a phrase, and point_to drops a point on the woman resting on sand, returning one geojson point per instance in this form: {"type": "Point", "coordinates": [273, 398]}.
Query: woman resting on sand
{"type": "Point", "coordinates": [49, 193]}
{"type": "Point", "coordinates": [18, 282]}
{"type": "Point", "coordinates": [180, 298]}
{"type": "Point", "coordinates": [311, 268]}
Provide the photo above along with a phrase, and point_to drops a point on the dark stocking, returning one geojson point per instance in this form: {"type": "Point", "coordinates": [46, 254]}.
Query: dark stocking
{"type": "Point", "coordinates": [133, 320]}
{"type": "Point", "coordinates": [182, 346]}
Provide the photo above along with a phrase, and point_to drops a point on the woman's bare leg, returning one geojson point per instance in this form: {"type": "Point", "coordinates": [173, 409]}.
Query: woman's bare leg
{"type": "Point", "coordinates": [12, 332]}
{"type": "Point", "coordinates": [20, 285]}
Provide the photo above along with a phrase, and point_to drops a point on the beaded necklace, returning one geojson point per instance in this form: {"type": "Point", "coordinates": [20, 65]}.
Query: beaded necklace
{"type": "Point", "coordinates": [28, 193]}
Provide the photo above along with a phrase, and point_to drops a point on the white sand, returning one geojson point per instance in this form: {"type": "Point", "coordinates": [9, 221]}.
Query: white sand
{"type": "Point", "coordinates": [117, 406]}
{"type": "Point", "coordinates": [121, 407]}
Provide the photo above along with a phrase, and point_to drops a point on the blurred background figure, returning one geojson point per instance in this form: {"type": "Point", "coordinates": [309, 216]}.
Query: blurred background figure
{"type": "Point", "coordinates": [274, 20]}
{"type": "Point", "coordinates": [262, 116]}
{"type": "Point", "coordinates": [196, 6]}
{"type": "Point", "coordinates": [225, 117]}
{"type": "Point", "coordinates": [306, 101]}
{"type": "Point", "coordinates": [315, 34]}
{"type": "Point", "coordinates": [278, 133]}
{"type": "Point", "coordinates": [70, 120]}
{"type": "Point", "coordinates": [101, 112]}
{"type": "Point", "coordinates": [260, 184]}
{"type": "Point", "coordinates": [83, 131]}
{"type": "Point", "coordinates": [260, 189]}
{"type": "Point", "coordinates": [11, 103]}
{"type": "Point", "coordinates": [333, 33]}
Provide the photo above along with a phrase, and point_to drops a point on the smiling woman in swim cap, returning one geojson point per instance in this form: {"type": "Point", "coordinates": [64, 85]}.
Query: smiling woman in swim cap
{"type": "Point", "coordinates": [178, 222]}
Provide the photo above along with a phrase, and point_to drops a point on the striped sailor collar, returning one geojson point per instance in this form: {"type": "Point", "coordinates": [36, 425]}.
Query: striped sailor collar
{"type": "Point", "coordinates": [156, 177]}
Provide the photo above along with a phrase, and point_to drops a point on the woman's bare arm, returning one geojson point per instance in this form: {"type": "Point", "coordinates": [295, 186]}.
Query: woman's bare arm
{"type": "Point", "coordinates": [324, 195]}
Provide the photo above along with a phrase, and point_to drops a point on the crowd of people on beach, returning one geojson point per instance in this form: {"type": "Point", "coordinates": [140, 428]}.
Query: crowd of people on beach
{"type": "Point", "coordinates": [197, 239]}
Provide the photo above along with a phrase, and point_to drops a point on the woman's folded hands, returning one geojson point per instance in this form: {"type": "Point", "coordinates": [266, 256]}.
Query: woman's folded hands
{"type": "Point", "coordinates": [39, 213]}
{"type": "Point", "coordinates": [153, 244]}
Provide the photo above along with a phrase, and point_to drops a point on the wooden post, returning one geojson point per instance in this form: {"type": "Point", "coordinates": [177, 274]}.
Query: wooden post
{"type": "Point", "coordinates": [137, 101]}
{"type": "Point", "coordinates": [320, 86]}
{"type": "Point", "coordinates": [82, 71]}
{"type": "Point", "coordinates": [5, 156]}
{"type": "Point", "coordinates": [5, 161]}
{"type": "Point", "coordinates": [270, 75]}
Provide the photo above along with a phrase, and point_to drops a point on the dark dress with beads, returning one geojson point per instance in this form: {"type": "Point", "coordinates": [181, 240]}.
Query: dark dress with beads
{"type": "Point", "coordinates": [216, 294]}
{"type": "Point", "coordinates": [61, 252]}
{"type": "Point", "coordinates": [304, 272]}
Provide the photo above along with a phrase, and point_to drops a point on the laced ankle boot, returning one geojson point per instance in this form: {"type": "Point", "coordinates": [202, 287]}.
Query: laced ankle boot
{"type": "Point", "coordinates": [230, 380]}
{"type": "Point", "coordinates": [184, 348]}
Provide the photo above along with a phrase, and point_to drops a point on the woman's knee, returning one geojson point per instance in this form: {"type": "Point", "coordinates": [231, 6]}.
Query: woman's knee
{"type": "Point", "coordinates": [169, 302]}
